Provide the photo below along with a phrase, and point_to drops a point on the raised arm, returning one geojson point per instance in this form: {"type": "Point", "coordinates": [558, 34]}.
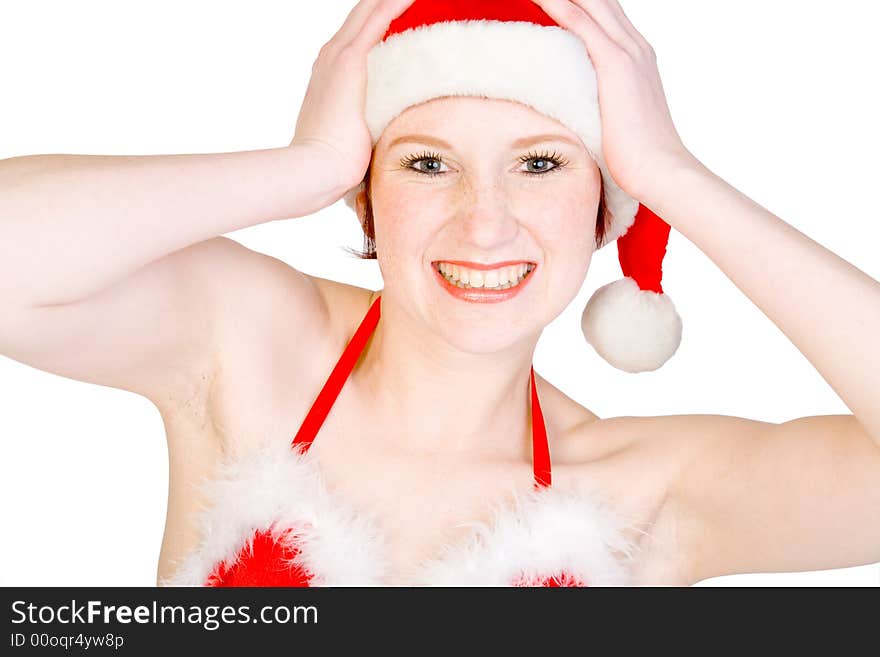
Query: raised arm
{"type": "Point", "coordinates": [749, 496]}
{"type": "Point", "coordinates": [111, 270]}
{"type": "Point", "coordinates": [74, 225]}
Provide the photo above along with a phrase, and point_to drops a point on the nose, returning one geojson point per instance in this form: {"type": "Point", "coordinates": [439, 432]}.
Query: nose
{"type": "Point", "coordinates": [486, 219]}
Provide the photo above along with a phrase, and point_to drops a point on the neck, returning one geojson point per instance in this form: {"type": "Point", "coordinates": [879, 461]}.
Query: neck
{"type": "Point", "coordinates": [440, 399]}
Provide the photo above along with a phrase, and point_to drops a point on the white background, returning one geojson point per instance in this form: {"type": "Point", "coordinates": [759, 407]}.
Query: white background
{"type": "Point", "coordinates": [777, 97]}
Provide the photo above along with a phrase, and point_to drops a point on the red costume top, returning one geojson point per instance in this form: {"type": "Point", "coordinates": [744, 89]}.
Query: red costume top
{"type": "Point", "coordinates": [272, 522]}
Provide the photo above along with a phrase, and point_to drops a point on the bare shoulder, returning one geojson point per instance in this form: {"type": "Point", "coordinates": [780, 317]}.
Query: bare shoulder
{"type": "Point", "coordinates": [268, 298]}
{"type": "Point", "coordinates": [277, 336]}
{"type": "Point", "coordinates": [281, 336]}
{"type": "Point", "coordinates": [654, 453]}
{"type": "Point", "coordinates": [636, 462]}
{"type": "Point", "coordinates": [671, 439]}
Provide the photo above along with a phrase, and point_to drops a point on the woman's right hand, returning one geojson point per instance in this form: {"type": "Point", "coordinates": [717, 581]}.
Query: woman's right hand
{"type": "Point", "coordinates": [332, 113]}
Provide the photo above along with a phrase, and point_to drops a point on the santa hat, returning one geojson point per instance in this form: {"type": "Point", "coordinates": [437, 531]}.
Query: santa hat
{"type": "Point", "coordinates": [512, 50]}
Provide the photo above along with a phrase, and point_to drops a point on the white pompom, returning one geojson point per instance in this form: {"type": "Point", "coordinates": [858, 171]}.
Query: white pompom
{"type": "Point", "coordinates": [634, 330]}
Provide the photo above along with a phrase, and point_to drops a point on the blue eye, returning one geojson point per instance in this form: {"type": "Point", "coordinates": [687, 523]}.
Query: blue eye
{"type": "Point", "coordinates": [542, 159]}
{"type": "Point", "coordinates": [409, 161]}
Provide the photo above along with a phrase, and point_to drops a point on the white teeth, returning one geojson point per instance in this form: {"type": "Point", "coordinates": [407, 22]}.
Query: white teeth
{"type": "Point", "coordinates": [502, 278]}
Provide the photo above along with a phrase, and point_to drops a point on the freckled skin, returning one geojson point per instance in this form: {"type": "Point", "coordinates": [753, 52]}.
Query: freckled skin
{"type": "Point", "coordinates": [486, 206]}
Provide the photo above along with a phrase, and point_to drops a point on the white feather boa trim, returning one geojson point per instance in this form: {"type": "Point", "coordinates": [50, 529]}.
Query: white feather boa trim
{"type": "Point", "coordinates": [543, 533]}
{"type": "Point", "coordinates": [276, 484]}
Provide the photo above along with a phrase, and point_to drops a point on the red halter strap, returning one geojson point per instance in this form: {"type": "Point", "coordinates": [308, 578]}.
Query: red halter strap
{"type": "Point", "coordinates": [540, 447]}
{"type": "Point", "coordinates": [318, 413]}
{"type": "Point", "coordinates": [320, 409]}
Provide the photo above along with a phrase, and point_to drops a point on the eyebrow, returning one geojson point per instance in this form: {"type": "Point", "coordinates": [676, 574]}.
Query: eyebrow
{"type": "Point", "coordinates": [519, 143]}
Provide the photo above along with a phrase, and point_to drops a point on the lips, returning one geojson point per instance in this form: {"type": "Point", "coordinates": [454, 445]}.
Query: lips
{"type": "Point", "coordinates": [481, 294]}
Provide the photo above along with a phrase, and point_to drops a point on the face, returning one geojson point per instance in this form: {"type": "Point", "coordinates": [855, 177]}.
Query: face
{"type": "Point", "coordinates": [463, 190]}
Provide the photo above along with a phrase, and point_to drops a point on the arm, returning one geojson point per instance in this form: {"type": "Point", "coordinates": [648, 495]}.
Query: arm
{"type": "Point", "coordinates": [648, 160]}
{"type": "Point", "coordinates": [749, 495]}
{"type": "Point", "coordinates": [108, 273]}
{"type": "Point", "coordinates": [755, 497]}
{"type": "Point", "coordinates": [116, 214]}
{"type": "Point", "coordinates": [804, 494]}
{"type": "Point", "coordinates": [810, 282]}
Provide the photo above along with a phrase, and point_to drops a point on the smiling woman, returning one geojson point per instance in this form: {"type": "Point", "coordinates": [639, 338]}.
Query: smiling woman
{"type": "Point", "coordinates": [487, 102]}
{"type": "Point", "coordinates": [390, 418]}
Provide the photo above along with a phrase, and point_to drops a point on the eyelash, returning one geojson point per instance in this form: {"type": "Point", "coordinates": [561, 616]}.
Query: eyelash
{"type": "Point", "coordinates": [557, 160]}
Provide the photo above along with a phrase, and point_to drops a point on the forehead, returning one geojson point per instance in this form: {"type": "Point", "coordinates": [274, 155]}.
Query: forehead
{"type": "Point", "coordinates": [464, 119]}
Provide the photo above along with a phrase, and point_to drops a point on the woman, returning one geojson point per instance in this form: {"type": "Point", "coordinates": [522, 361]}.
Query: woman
{"type": "Point", "coordinates": [685, 521]}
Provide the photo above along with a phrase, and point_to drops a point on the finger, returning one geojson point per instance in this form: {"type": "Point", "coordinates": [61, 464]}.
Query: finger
{"type": "Point", "coordinates": [574, 19]}
{"type": "Point", "coordinates": [353, 23]}
{"type": "Point", "coordinates": [612, 10]}
{"type": "Point", "coordinates": [377, 23]}
{"type": "Point", "coordinates": [601, 12]}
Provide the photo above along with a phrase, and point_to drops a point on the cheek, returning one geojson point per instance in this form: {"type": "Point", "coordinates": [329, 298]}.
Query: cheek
{"type": "Point", "coordinates": [563, 221]}
{"type": "Point", "coordinates": [404, 227]}
{"type": "Point", "coordinates": [565, 225]}
{"type": "Point", "coordinates": [561, 218]}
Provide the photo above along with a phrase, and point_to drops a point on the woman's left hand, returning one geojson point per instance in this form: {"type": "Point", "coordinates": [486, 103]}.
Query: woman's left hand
{"type": "Point", "coordinates": [638, 137]}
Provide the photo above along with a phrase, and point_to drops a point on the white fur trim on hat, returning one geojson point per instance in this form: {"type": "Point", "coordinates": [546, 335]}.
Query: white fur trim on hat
{"type": "Point", "coordinates": [545, 67]}
{"type": "Point", "coordinates": [634, 330]}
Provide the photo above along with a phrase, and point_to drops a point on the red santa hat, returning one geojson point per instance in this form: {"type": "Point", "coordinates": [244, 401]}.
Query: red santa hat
{"type": "Point", "coordinates": [512, 50]}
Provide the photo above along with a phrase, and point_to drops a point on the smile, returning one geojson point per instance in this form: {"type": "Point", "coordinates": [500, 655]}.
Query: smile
{"type": "Point", "coordinates": [483, 285]}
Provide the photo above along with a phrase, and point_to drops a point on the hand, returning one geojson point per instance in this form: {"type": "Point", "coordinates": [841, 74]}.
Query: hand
{"type": "Point", "coordinates": [332, 113]}
{"type": "Point", "coordinates": [638, 137]}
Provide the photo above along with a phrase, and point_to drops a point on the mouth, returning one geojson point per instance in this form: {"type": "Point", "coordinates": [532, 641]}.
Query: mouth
{"type": "Point", "coordinates": [480, 283]}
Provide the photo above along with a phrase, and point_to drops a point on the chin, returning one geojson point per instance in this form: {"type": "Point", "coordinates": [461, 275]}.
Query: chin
{"type": "Point", "coordinates": [482, 344]}
{"type": "Point", "coordinates": [483, 331]}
